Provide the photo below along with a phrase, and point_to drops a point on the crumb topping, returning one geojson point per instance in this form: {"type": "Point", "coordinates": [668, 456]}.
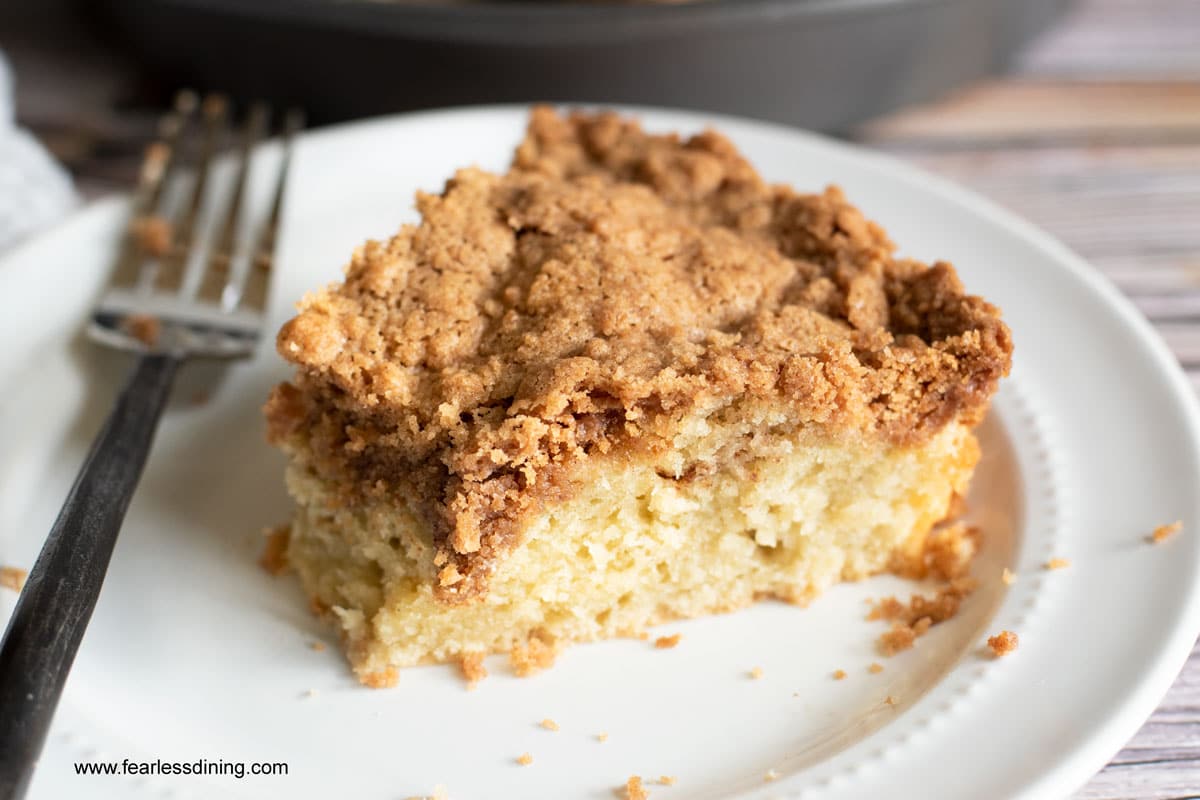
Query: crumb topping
{"type": "Point", "coordinates": [1002, 643]}
{"type": "Point", "coordinates": [634, 789]}
{"type": "Point", "coordinates": [1164, 532]}
{"type": "Point", "coordinates": [667, 642]}
{"type": "Point", "coordinates": [609, 284]}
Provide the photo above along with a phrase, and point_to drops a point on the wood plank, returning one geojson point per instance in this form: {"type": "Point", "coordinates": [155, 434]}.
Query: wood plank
{"type": "Point", "coordinates": [1121, 39]}
{"type": "Point", "coordinates": [1031, 110]}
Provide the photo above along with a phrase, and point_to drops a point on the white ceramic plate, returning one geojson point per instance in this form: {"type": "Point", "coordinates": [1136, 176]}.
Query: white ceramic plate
{"type": "Point", "coordinates": [194, 653]}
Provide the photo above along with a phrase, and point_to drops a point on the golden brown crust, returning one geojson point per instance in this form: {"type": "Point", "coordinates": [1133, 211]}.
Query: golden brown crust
{"type": "Point", "coordinates": [611, 284]}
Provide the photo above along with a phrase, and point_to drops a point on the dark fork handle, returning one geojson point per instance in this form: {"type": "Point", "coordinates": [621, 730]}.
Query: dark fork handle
{"type": "Point", "coordinates": [57, 602]}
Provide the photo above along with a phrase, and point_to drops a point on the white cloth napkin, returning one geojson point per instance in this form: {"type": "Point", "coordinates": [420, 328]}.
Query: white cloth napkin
{"type": "Point", "coordinates": [34, 189]}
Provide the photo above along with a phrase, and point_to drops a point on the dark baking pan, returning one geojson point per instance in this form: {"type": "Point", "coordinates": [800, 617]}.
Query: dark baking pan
{"type": "Point", "coordinates": [821, 64]}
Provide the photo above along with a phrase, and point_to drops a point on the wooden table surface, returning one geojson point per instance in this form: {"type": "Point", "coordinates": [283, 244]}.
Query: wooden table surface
{"type": "Point", "coordinates": [1094, 136]}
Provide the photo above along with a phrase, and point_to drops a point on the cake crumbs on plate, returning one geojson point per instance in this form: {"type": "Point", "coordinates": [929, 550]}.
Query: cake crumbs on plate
{"type": "Point", "coordinates": [381, 679]}
{"type": "Point", "coordinates": [143, 327]}
{"type": "Point", "coordinates": [839, 674]}
{"type": "Point", "coordinates": [756, 673]}
{"type": "Point", "coordinates": [1164, 532]}
{"type": "Point", "coordinates": [771, 775]}
{"type": "Point", "coordinates": [549, 724]}
{"type": "Point", "coordinates": [274, 554]}
{"type": "Point", "coordinates": [1003, 643]}
{"type": "Point", "coordinates": [875, 668]}
{"type": "Point", "coordinates": [439, 793]}
{"type": "Point", "coordinates": [667, 780]}
{"type": "Point", "coordinates": [152, 234]}
{"type": "Point", "coordinates": [913, 620]}
{"type": "Point", "coordinates": [890, 700]}
{"type": "Point", "coordinates": [634, 789]}
{"type": "Point", "coordinates": [13, 578]}
{"type": "Point", "coordinates": [602, 736]}
{"type": "Point", "coordinates": [473, 669]}
{"type": "Point", "coordinates": [317, 646]}
{"type": "Point", "coordinates": [667, 642]}
{"type": "Point", "coordinates": [534, 656]}
{"type": "Point", "coordinates": [1058, 563]}
{"type": "Point", "coordinates": [310, 693]}
{"type": "Point", "coordinates": [525, 759]}
{"type": "Point", "coordinates": [1008, 577]}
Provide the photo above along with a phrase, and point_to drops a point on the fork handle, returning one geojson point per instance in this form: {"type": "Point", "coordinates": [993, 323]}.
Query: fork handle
{"type": "Point", "coordinates": [60, 594]}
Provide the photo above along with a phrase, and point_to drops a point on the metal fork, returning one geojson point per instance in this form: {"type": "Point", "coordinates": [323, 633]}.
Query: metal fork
{"type": "Point", "coordinates": [168, 301]}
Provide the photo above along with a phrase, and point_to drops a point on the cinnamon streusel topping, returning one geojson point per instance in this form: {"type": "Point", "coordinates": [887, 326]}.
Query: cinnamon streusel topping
{"type": "Point", "coordinates": [610, 284]}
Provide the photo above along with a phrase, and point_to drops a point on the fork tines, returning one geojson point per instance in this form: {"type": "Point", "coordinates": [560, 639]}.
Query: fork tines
{"type": "Point", "coordinates": [169, 268]}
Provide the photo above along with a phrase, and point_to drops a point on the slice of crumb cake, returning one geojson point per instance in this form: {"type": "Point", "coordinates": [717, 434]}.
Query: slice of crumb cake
{"type": "Point", "coordinates": [626, 382]}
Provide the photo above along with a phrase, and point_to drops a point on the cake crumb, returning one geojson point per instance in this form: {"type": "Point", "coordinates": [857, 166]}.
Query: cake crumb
{"type": "Point", "coordinates": [143, 327]}
{"type": "Point", "coordinates": [912, 620]}
{"type": "Point", "coordinates": [889, 700]}
{"type": "Point", "coordinates": [875, 668]}
{"type": "Point", "coordinates": [13, 578]}
{"type": "Point", "coordinates": [901, 637]}
{"type": "Point", "coordinates": [534, 656]}
{"type": "Point", "coordinates": [643, 635]}
{"type": "Point", "coordinates": [317, 646]}
{"type": "Point", "coordinates": [549, 724]}
{"type": "Point", "coordinates": [1002, 643]}
{"type": "Point", "coordinates": [1008, 577]}
{"type": "Point", "coordinates": [888, 608]}
{"type": "Point", "coordinates": [602, 737]}
{"type": "Point", "coordinates": [524, 759]}
{"type": "Point", "coordinates": [311, 693]}
{"type": "Point", "coordinates": [381, 679]}
{"type": "Point", "coordinates": [439, 793]}
{"type": "Point", "coordinates": [667, 780]}
{"type": "Point", "coordinates": [756, 673]}
{"type": "Point", "coordinates": [771, 775]}
{"type": "Point", "coordinates": [1058, 563]}
{"type": "Point", "coordinates": [1164, 532]}
{"type": "Point", "coordinates": [473, 669]}
{"type": "Point", "coordinates": [274, 554]}
{"type": "Point", "coordinates": [152, 234]}
{"type": "Point", "coordinates": [667, 642]}
{"type": "Point", "coordinates": [839, 674]}
{"type": "Point", "coordinates": [634, 789]}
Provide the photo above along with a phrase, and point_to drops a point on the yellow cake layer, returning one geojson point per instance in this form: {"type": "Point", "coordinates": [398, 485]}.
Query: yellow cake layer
{"type": "Point", "coordinates": [637, 544]}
